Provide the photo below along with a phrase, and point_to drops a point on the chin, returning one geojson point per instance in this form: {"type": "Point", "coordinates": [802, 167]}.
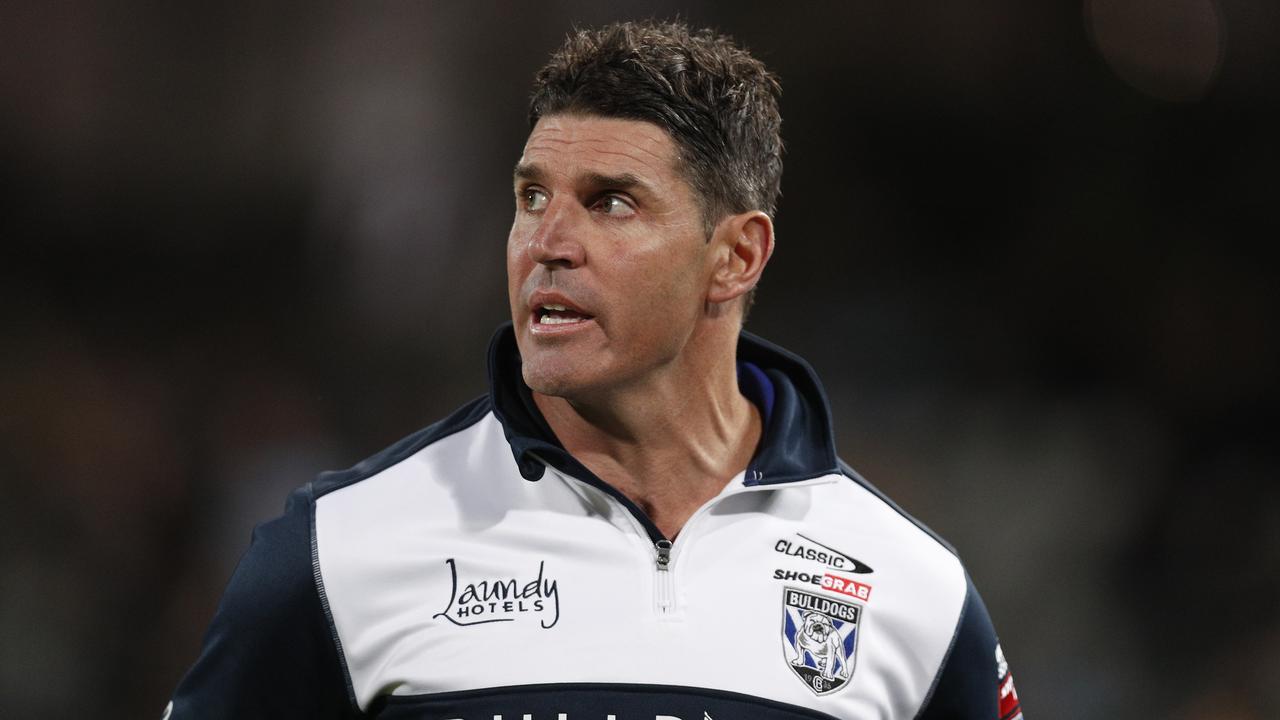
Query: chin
{"type": "Point", "coordinates": [558, 369]}
{"type": "Point", "coordinates": [548, 376]}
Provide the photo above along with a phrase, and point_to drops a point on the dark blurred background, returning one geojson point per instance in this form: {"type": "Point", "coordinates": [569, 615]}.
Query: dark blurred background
{"type": "Point", "coordinates": [1026, 245]}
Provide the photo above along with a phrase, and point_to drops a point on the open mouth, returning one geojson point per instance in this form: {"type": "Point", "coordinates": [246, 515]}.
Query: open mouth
{"type": "Point", "coordinates": [555, 315]}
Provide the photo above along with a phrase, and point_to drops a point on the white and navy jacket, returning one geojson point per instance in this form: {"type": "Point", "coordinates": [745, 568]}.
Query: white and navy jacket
{"type": "Point", "coordinates": [476, 571]}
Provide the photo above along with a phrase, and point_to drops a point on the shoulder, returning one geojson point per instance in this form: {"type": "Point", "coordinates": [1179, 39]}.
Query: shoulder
{"type": "Point", "coordinates": [463, 419]}
{"type": "Point", "coordinates": [936, 591]}
{"type": "Point", "coordinates": [274, 647]}
{"type": "Point", "coordinates": [908, 522]}
{"type": "Point", "coordinates": [439, 475]}
{"type": "Point", "coordinates": [905, 547]}
{"type": "Point", "coordinates": [269, 650]}
{"type": "Point", "coordinates": [907, 565]}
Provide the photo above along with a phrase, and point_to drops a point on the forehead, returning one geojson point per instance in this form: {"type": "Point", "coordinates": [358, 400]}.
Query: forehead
{"type": "Point", "coordinates": [572, 145]}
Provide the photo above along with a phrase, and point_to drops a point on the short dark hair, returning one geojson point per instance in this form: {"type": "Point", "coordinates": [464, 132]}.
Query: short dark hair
{"type": "Point", "coordinates": [717, 102]}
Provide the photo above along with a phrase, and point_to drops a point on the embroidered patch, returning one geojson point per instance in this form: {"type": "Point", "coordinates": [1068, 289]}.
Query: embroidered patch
{"type": "Point", "coordinates": [1010, 707]}
{"type": "Point", "coordinates": [819, 639]}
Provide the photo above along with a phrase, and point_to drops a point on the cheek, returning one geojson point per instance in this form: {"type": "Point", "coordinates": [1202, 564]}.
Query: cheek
{"type": "Point", "coordinates": [677, 282]}
{"type": "Point", "coordinates": [517, 265]}
{"type": "Point", "coordinates": [663, 303]}
{"type": "Point", "coordinates": [658, 295]}
{"type": "Point", "coordinates": [669, 268]}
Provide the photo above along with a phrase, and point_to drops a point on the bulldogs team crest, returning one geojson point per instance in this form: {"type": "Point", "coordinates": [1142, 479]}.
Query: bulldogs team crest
{"type": "Point", "coordinates": [819, 639]}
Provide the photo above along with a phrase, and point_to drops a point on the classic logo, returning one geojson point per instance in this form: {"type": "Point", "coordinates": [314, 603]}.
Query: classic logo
{"type": "Point", "coordinates": [502, 599]}
{"type": "Point", "coordinates": [811, 549]}
{"type": "Point", "coordinates": [819, 639]}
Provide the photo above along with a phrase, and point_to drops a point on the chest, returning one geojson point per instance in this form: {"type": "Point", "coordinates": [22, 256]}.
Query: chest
{"type": "Point", "coordinates": [542, 610]}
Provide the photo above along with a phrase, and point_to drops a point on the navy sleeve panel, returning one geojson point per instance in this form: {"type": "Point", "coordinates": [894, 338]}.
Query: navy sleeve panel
{"type": "Point", "coordinates": [269, 652]}
{"type": "Point", "coordinates": [967, 686]}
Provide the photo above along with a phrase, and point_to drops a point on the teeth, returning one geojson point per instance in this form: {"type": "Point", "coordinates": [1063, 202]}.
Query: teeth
{"type": "Point", "coordinates": [553, 320]}
{"type": "Point", "coordinates": [561, 308]}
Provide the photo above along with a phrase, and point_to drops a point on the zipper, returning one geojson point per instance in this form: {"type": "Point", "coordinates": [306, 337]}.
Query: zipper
{"type": "Point", "coordinates": [665, 555]}
{"type": "Point", "coordinates": [663, 547]}
{"type": "Point", "coordinates": [664, 585]}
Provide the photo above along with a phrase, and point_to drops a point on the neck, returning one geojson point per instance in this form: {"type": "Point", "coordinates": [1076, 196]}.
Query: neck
{"type": "Point", "coordinates": [670, 442]}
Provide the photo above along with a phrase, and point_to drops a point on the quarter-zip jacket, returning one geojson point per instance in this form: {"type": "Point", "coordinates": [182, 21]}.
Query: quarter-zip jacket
{"type": "Point", "coordinates": [477, 571]}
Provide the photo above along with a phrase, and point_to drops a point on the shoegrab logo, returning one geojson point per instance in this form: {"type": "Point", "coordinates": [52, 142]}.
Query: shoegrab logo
{"type": "Point", "coordinates": [502, 599]}
{"type": "Point", "coordinates": [815, 551]}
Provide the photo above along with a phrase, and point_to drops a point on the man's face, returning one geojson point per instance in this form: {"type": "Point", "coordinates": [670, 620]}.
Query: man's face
{"type": "Point", "coordinates": [607, 262]}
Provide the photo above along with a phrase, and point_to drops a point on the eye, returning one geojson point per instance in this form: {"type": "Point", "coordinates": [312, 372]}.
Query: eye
{"type": "Point", "coordinates": [532, 199]}
{"type": "Point", "coordinates": [615, 206]}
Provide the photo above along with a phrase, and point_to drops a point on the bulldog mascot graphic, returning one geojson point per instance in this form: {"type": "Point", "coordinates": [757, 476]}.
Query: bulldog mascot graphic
{"type": "Point", "coordinates": [820, 637]}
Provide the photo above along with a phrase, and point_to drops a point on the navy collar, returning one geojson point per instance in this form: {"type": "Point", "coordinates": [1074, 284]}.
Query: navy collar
{"type": "Point", "coordinates": [797, 442]}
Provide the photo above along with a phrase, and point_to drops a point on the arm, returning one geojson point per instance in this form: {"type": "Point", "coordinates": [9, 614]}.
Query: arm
{"type": "Point", "coordinates": [270, 651]}
{"type": "Point", "coordinates": [974, 682]}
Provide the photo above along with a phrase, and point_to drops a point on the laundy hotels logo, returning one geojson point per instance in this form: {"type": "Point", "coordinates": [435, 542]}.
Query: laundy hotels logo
{"type": "Point", "coordinates": [819, 639]}
{"type": "Point", "coordinates": [502, 599]}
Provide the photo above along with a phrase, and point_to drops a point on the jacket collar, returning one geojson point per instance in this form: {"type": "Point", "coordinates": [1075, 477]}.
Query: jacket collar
{"type": "Point", "coordinates": [797, 442]}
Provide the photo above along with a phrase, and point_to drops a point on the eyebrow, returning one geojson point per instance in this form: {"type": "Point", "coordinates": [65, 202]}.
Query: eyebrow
{"type": "Point", "coordinates": [623, 181]}
{"type": "Point", "coordinates": [532, 173]}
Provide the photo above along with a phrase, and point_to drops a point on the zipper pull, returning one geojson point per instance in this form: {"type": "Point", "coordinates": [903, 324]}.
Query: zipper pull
{"type": "Point", "coordinates": [664, 553]}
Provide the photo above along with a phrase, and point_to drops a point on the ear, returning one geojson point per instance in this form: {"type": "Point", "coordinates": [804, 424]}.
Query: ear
{"type": "Point", "coordinates": [742, 246]}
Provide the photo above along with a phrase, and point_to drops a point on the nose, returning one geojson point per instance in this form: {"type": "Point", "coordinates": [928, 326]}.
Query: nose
{"type": "Point", "coordinates": [556, 241]}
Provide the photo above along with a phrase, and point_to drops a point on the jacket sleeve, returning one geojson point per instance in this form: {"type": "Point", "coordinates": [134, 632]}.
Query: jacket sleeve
{"type": "Point", "coordinates": [270, 651]}
{"type": "Point", "coordinates": [974, 682]}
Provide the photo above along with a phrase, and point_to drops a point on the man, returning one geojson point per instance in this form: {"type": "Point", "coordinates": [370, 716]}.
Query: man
{"type": "Point", "coordinates": [645, 517]}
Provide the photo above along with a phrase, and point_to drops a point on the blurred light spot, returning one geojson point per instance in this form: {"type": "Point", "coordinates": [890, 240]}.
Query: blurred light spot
{"type": "Point", "coordinates": [1168, 49]}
